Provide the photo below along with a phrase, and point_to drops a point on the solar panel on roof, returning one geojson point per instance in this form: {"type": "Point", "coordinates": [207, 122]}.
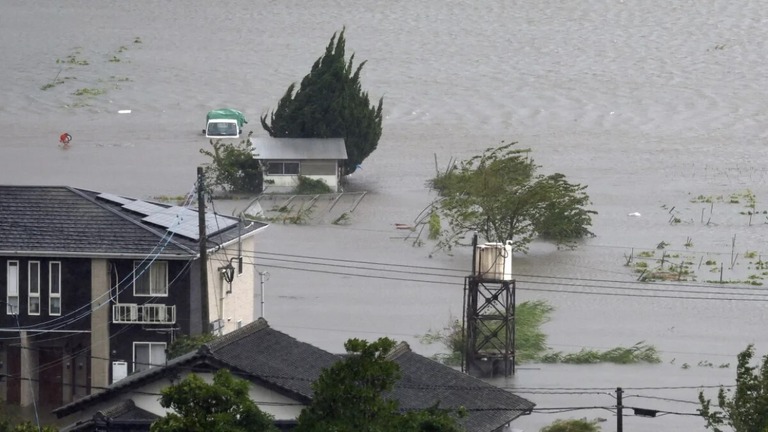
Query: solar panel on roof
{"type": "Point", "coordinates": [213, 224]}
{"type": "Point", "coordinates": [143, 207]}
{"type": "Point", "coordinates": [114, 198]}
{"type": "Point", "coordinates": [188, 230]}
{"type": "Point", "coordinates": [171, 216]}
{"type": "Point", "coordinates": [184, 222]}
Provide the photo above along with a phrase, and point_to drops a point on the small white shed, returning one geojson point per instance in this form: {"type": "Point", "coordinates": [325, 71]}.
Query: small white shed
{"type": "Point", "coordinates": [285, 159]}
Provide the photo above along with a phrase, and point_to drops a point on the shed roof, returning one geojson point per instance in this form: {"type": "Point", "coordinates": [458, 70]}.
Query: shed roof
{"type": "Point", "coordinates": [268, 148]}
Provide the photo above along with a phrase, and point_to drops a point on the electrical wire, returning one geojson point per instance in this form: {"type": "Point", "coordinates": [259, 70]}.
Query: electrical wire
{"type": "Point", "coordinates": [661, 398]}
{"type": "Point", "coordinates": [96, 303]}
{"type": "Point", "coordinates": [715, 296]}
{"type": "Point", "coordinates": [445, 272]}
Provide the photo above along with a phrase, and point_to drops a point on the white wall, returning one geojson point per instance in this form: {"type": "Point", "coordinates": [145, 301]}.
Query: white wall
{"type": "Point", "coordinates": [236, 305]}
{"type": "Point", "coordinates": [147, 397]}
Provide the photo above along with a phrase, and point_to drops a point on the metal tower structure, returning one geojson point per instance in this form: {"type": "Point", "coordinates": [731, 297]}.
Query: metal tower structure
{"type": "Point", "coordinates": [489, 314]}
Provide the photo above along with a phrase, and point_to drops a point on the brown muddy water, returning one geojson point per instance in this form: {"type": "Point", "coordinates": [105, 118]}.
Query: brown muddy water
{"type": "Point", "coordinates": [650, 104]}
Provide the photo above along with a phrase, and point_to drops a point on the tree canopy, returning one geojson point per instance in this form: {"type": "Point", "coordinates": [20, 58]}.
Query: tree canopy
{"type": "Point", "coordinates": [330, 103]}
{"type": "Point", "coordinates": [348, 396]}
{"type": "Point", "coordinates": [573, 425]}
{"type": "Point", "coordinates": [745, 408]}
{"type": "Point", "coordinates": [233, 167]}
{"type": "Point", "coordinates": [223, 405]}
{"type": "Point", "coordinates": [500, 196]}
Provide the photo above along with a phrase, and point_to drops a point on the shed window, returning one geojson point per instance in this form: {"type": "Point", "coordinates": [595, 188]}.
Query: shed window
{"type": "Point", "coordinates": [283, 168]}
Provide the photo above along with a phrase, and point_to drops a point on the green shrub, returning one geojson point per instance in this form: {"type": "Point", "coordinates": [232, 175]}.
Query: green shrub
{"type": "Point", "coordinates": [308, 186]}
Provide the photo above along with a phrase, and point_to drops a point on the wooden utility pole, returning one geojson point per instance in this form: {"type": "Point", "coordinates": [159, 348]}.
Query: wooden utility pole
{"type": "Point", "coordinates": [204, 318]}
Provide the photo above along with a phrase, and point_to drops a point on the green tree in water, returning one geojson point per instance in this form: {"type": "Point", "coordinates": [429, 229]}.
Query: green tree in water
{"type": "Point", "coordinates": [330, 103]}
{"type": "Point", "coordinates": [500, 196]}
{"type": "Point", "coordinates": [578, 425]}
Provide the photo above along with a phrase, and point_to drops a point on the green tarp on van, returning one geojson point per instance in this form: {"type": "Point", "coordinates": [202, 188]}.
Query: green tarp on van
{"type": "Point", "coordinates": [227, 113]}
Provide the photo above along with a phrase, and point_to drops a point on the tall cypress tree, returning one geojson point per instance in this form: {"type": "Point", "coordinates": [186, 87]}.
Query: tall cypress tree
{"type": "Point", "coordinates": [330, 103]}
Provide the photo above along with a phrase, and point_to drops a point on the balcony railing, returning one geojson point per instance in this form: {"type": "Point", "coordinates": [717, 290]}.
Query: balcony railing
{"type": "Point", "coordinates": [128, 313]}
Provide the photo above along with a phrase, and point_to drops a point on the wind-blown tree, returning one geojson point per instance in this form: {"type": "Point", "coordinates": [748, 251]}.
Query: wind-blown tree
{"type": "Point", "coordinates": [233, 167]}
{"type": "Point", "coordinates": [500, 196]}
{"type": "Point", "coordinates": [223, 405]}
{"type": "Point", "coordinates": [744, 409]}
{"type": "Point", "coordinates": [348, 396]}
{"type": "Point", "coordinates": [330, 103]}
{"type": "Point", "coordinates": [574, 425]}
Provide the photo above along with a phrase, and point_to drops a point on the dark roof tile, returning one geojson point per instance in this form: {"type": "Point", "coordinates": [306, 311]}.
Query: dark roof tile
{"type": "Point", "coordinates": [281, 362]}
{"type": "Point", "coordinates": [60, 220]}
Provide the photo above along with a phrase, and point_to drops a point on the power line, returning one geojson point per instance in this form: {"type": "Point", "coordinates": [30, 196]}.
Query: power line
{"type": "Point", "coordinates": [561, 291]}
{"type": "Point", "coordinates": [270, 255]}
{"type": "Point", "coordinates": [640, 286]}
{"type": "Point", "coordinates": [662, 399]}
{"type": "Point", "coordinates": [86, 309]}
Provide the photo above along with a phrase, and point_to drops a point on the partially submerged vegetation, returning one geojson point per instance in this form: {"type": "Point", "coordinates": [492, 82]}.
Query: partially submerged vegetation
{"type": "Point", "coordinates": [679, 261]}
{"type": "Point", "coordinates": [637, 353]}
{"type": "Point", "coordinates": [310, 186]}
{"type": "Point", "coordinates": [531, 342]}
{"type": "Point", "coordinates": [500, 195]}
{"type": "Point", "coordinates": [76, 60]}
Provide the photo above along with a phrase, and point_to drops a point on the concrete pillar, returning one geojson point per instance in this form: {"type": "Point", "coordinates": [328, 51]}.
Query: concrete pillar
{"type": "Point", "coordinates": [27, 385]}
{"type": "Point", "coordinates": [99, 324]}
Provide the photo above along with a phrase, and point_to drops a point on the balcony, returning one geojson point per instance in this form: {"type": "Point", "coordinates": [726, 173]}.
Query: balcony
{"type": "Point", "coordinates": [128, 313]}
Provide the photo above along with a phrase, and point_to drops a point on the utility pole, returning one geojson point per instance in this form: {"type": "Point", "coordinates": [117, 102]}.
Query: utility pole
{"type": "Point", "coordinates": [619, 409]}
{"type": "Point", "coordinates": [204, 318]}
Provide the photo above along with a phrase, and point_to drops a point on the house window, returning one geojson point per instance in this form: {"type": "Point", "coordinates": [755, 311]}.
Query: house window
{"type": "Point", "coordinates": [12, 300]}
{"type": "Point", "coordinates": [34, 288]}
{"type": "Point", "coordinates": [147, 355]}
{"type": "Point", "coordinates": [283, 168]}
{"type": "Point", "coordinates": [54, 288]}
{"type": "Point", "coordinates": [152, 281]}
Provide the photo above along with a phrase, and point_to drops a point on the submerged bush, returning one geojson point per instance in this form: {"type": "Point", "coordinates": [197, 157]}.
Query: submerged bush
{"type": "Point", "coordinates": [638, 353]}
{"type": "Point", "coordinates": [531, 342]}
{"type": "Point", "coordinates": [308, 186]}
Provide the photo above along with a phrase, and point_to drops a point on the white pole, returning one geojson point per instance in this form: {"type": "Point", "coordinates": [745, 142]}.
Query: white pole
{"type": "Point", "coordinates": [262, 274]}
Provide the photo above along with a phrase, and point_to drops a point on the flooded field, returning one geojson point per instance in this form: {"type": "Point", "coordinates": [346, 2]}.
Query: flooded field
{"type": "Point", "coordinates": [659, 108]}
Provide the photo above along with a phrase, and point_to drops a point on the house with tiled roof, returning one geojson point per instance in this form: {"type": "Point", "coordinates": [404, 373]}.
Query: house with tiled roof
{"type": "Point", "coordinates": [281, 371]}
{"type": "Point", "coordinates": [94, 286]}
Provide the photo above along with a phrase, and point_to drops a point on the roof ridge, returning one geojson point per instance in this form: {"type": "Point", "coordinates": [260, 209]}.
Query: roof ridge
{"type": "Point", "coordinates": [80, 192]}
{"type": "Point", "coordinates": [234, 336]}
{"type": "Point", "coordinates": [399, 349]}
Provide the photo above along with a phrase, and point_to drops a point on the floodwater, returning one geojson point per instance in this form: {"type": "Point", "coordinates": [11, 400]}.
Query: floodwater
{"type": "Point", "coordinates": [651, 104]}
